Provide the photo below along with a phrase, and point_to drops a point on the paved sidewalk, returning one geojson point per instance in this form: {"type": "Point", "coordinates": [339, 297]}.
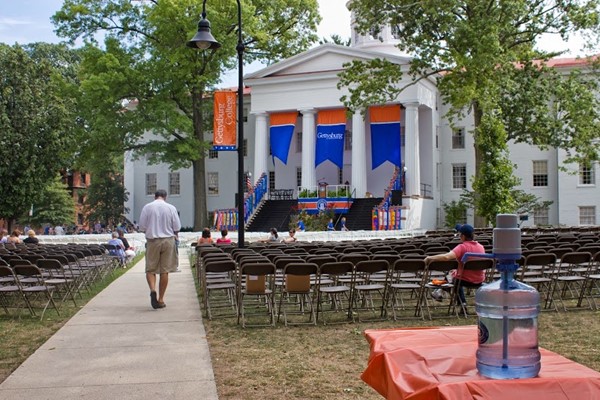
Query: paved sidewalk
{"type": "Point", "coordinates": [118, 347]}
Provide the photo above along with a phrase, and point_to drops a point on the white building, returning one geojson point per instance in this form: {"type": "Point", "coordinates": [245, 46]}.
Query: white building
{"type": "Point", "coordinates": [438, 160]}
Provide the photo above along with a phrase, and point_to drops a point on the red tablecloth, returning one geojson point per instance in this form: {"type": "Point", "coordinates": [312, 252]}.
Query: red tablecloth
{"type": "Point", "coordinates": [439, 363]}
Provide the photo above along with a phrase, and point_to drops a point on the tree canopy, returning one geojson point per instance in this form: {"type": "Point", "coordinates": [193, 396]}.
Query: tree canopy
{"type": "Point", "coordinates": [144, 79]}
{"type": "Point", "coordinates": [484, 59]}
{"type": "Point", "coordinates": [52, 205]}
{"type": "Point", "coordinates": [36, 121]}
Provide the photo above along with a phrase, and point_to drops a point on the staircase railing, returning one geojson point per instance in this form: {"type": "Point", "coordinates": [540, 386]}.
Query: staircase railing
{"type": "Point", "coordinates": [227, 218]}
{"type": "Point", "coordinates": [385, 216]}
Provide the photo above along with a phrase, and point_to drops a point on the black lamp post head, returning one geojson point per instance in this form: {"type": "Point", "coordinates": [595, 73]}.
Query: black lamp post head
{"type": "Point", "coordinates": [204, 39]}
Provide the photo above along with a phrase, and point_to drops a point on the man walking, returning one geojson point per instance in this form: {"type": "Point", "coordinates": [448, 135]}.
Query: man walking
{"type": "Point", "coordinates": [160, 222]}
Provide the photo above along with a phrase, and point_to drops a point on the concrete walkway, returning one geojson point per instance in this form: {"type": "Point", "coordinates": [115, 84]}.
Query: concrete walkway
{"type": "Point", "coordinates": [118, 347]}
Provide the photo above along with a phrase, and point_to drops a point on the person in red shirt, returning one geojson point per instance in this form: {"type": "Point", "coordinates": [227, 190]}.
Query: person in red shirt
{"type": "Point", "coordinates": [467, 245]}
{"type": "Point", "coordinates": [224, 238]}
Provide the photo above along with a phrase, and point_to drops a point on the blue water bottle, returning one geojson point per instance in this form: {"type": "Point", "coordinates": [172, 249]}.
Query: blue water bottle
{"type": "Point", "coordinates": [508, 312]}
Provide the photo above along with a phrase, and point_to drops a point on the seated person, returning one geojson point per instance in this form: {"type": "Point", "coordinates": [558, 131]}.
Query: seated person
{"type": "Point", "coordinates": [273, 236]}
{"type": "Point", "coordinates": [466, 278]}
{"type": "Point", "coordinates": [205, 238]}
{"type": "Point", "coordinates": [31, 239]}
{"type": "Point", "coordinates": [291, 238]}
{"type": "Point", "coordinates": [14, 237]}
{"type": "Point", "coordinates": [223, 238]}
{"type": "Point", "coordinates": [119, 250]}
{"type": "Point", "coordinates": [129, 251]}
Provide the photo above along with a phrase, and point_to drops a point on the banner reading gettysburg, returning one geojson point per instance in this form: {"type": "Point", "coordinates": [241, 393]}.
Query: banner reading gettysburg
{"type": "Point", "coordinates": [331, 126]}
{"type": "Point", "coordinates": [224, 137]}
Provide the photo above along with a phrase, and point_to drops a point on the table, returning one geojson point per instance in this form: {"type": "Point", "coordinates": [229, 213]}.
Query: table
{"type": "Point", "coordinates": [439, 363]}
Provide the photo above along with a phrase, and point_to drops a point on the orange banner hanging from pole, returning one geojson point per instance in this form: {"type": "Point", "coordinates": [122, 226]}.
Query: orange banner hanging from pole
{"type": "Point", "coordinates": [224, 123]}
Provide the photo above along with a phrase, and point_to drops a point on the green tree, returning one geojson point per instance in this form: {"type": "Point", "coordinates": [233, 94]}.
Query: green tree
{"type": "Point", "coordinates": [455, 212]}
{"type": "Point", "coordinates": [53, 205]}
{"type": "Point", "coordinates": [36, 121]}
{"type": "Point", "coordinates": [482, 55]}
{"type": "Point", "coordinates": [105, 198]}
{"type": "Point", "coordinates": [146, 69]}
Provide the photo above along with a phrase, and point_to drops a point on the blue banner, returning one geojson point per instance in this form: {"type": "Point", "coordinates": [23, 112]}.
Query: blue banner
{"type": "Point", "coordinates": [281, 132]}
{"type": "Point", "coordinates": [331, 130]}
{"type": "Point", "coordinates": [385, 135]}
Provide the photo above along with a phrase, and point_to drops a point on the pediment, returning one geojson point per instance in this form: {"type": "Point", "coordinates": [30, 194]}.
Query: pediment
{"type": "Point", "coordinates": [325, 58]}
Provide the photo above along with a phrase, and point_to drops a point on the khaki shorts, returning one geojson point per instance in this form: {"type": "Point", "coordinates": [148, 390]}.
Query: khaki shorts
{"type": "Point", "coordinates": [161, 255]}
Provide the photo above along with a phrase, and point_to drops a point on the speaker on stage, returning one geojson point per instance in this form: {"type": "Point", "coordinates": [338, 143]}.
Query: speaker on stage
{"type": "Point", "coordinates": [396, 197]}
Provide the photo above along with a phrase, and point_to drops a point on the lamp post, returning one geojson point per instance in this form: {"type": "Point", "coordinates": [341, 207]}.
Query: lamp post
{"type": "Point", "coordinates": [204, 40]}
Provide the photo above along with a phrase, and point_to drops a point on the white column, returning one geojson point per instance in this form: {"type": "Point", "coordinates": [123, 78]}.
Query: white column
{"type": "Point", "coordinates": [261, 153]}
{"type": "Point", "coordinates": [359, 156]}
{"type": "Point", "coordinates": [411, 150]}
{"type": "Point", "coordinates": [309, 137]}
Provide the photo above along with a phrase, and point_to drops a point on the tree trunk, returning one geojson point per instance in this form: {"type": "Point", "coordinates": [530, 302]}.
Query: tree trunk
{"type": "Point", "coordinates": [199, 170]}
{"type": "Point", "coordinates": [479, 221]}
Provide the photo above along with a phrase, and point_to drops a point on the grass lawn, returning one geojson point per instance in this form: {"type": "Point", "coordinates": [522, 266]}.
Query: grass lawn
{"type": "Point", "coordinates": [325, 362]}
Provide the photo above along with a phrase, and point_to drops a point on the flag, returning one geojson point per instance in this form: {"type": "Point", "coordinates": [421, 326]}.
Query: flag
{"type": "Point", "coordinates": [385, 135]}
{"type": "Point", "coordinates": [331, 126]}
{"type": "Point", "coordinates": [224, 122]}
{"type": "Point", "coordinates": [281, 132]}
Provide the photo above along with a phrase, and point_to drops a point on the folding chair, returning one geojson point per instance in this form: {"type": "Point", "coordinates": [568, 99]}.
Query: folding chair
{"type": "Point", "coordinates": [406, 277]}
{"type": "Point", "coordinates": [536, 271]}
{"type": "Point", "coordinates": [219, 276]}
{"type": "Point", "coordinates": [58, 277]}
{"type": "Point", "coordinates": [591, 288]}
{"type": "Point", "coordinates": [334, 293]}
{"type": "Point", "coordinates": [569, 283]}
{"type": "Point", "coordinates": [436, 270]}
{"type": "Point", "coordinates": [9, 288]}
{"type": "Point", "coordinates": [297, 284]}
{"type": "Point", "coordinates": [38, 289]}
{"type": "Point", "coordinates": [256, 280]}
{"type": "Point", "coordinates": [368, 294]}
{"type": "Point", "coordinates": [484, 264]}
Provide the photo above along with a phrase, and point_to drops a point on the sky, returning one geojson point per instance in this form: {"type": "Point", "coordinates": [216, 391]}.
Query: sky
{"type": "Point", "coordinates": [26, 21]}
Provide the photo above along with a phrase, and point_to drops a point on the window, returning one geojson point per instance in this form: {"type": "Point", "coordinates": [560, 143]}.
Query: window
{"type": "Point", "coordinates": [150, 184]}
{"type": "Point", "coordinates": [212, 154]}
{"type": "Point", "coordinates": [299, 142]}
{"type": "Point", "coordinates": [298, 176]}
{"type": "Point", "coordinates": [540, 173]}
{"type": "Point", "coordinates": [586, 174]}
{"type": "Point", "coordinates": [587, 215]}
{"type": "Point", "coordinates": [459, 176]}
{"type": "Point", "coordinates": [174, 186]}
{"type": "Point", "coordinates": [271, 180]}
{"type": "Point", "coordinates": [348, 140]}
{"type": "Point", "coordinates": [213, 183]}
{"type": "Point", "coordinates": [82, 178]}
{"type": "Point", "coordinates": [245, 114]}
{"type": "Point", "coordinates": [458, 138]}
{"type": "Point", "coordinates": [245, 148]}
{"type": "Point", "coordinates": [340, 176]}
{"type": "Point", "coordinates": [540, 217]}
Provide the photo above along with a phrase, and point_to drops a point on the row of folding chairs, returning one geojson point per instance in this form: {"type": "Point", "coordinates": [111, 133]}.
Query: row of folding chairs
{"type": "Point", "coordinates": [566, 281]}
{"type": "Point", "coordinates": [43, 279]}
{"type": "Point", "coordinates": [318, 286]}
